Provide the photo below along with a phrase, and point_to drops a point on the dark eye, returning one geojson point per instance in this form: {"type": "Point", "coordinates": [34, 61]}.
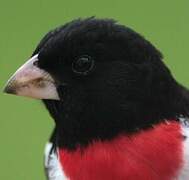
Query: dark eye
{"type": "Point", "coordinates": [83, 65]}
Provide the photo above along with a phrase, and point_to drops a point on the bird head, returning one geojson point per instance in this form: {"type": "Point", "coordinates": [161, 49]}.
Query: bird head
{"type": "Point", "coordinates": [97, 78]}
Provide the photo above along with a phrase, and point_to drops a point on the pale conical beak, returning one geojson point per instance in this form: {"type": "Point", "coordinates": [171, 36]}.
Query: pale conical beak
{"type": "Point", "coordinates": [31, 81]}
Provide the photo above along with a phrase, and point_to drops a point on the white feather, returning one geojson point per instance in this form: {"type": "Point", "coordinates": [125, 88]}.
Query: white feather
{"type": "Point", "coordinates": [184, 172]}
{"type": "Point", "coordinates": [53, 169]}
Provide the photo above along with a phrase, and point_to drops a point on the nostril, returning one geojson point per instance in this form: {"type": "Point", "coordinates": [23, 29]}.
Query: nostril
{"type": "Point", "coordinates": [35, 63]}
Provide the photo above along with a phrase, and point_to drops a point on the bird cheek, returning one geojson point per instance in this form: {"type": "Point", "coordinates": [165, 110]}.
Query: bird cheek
{"type": "Point", "coordinates": [31, 81]}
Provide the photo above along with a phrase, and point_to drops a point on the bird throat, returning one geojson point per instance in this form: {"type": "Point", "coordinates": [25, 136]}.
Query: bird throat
{"type": "Point", "coordinates": [79, 125]}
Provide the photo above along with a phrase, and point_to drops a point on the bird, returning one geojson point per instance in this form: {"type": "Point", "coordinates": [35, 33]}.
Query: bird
{"type": "Point", "coordinates": [119, 112]}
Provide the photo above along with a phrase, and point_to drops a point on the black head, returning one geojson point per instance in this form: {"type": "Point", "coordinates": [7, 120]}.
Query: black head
{"type": "Point", "coordinates": [109, 79]}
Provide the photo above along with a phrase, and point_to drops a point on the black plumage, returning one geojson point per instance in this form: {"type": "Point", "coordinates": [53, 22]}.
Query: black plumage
{"type": "Point", "coordinates": [126, 89]}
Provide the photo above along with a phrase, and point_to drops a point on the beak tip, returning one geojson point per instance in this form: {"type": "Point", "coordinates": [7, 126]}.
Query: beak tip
{"type": "Point", "coordinates": [9, 90]}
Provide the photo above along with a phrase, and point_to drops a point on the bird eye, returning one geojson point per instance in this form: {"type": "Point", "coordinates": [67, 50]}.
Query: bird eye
{"type": "Point", "coordinates": [83, 65]}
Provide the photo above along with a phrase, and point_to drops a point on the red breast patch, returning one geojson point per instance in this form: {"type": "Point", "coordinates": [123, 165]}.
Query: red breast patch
{"type": "Point", "coordinates": [153, 154]}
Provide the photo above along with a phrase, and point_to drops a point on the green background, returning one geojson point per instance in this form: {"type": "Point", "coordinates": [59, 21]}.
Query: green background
{"type": "Point", "coordinates": [24, 123]}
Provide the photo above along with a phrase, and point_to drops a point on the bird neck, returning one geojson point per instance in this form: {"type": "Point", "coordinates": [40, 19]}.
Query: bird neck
{"type": "Point", "coordinates": [78, 125]}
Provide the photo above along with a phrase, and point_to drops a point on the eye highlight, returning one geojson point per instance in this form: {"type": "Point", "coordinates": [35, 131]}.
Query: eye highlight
{"type": "Point", "coordinates": [83, 65]}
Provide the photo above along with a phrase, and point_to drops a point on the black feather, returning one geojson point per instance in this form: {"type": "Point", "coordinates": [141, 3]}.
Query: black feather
{"type": "Point", "coordinates": [130, 88]}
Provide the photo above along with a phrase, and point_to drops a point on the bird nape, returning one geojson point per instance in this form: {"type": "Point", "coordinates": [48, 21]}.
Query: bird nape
{"type": "Point", "coordinates": [100, 80]}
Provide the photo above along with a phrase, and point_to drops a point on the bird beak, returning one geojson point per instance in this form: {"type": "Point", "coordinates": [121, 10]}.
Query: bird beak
{"type": "Point", "coordinates": [31, 81]}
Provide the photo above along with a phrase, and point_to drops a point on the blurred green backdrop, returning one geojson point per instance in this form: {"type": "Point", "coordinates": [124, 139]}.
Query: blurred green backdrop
{"type": "Point", "coordinates": [24, 124]}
